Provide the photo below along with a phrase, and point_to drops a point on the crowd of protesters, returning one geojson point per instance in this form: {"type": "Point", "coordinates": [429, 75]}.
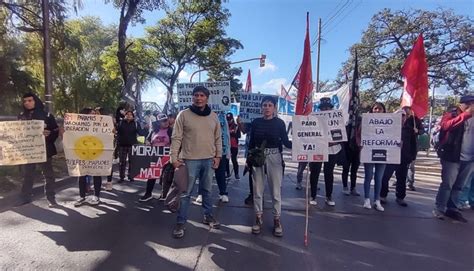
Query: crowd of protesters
{"type": "Point", "coordinates": [205, 142]}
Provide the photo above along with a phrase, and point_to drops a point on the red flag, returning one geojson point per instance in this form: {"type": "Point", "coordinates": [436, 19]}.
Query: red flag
{"type": "Point", "coordinates": [304, 80]}
{"type": "Point", "coordinates": [284, 93]}
{"type": "Point", "coordinates": [248, 85]}
{"type": "Point", "coordinates": [415, 73]}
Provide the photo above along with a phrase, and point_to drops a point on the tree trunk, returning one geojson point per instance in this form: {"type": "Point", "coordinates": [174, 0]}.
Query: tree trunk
{"type": "Point", "coordinates": [129, 8]}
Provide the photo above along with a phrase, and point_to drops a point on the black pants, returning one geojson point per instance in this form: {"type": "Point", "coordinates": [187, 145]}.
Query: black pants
{"type": "Point", "coordinates": [401, 172]}
{"type": "Point", "coordinates": [328, 169]}
{"type": "Point", "coordinates": [235, 164]}
{"type": "Point", "coordinates": [351, 165]}
{"type": "Point", "coordinates": [97, 186]}
{"type": "Point", "coordinates": [150, 184]}
{"type": "Point", "coordinates": [28, 179]}
{"type": "Point", "coordinates": [124, 153]}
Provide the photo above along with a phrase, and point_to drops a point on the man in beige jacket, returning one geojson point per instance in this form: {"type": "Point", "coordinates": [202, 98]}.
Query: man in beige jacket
{"type": "Point", "coordinates": [196, 142]}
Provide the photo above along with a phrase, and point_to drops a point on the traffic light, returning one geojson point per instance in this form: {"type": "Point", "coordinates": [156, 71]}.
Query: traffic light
{"type": "Point", "coordinates": [262, 60]}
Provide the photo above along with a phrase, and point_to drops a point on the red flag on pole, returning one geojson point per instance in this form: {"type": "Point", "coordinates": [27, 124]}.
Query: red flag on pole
{"type": "Point", "coordinates": [248, 85]}
{"type": "Point", "coordinates": [304, 80]}
{"type": "Point", "coordinates": [415, 73]}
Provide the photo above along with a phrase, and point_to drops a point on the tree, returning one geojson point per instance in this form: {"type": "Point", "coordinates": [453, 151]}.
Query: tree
{"type": "Point", "coordinates": [191, 33]}
{"type": "Point", "coordinates": [388, 40]}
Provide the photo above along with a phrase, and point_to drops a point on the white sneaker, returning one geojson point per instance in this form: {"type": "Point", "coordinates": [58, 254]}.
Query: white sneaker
{"type": "Point", "coordinates": [367, 204]}
{"type": "Point", "coordinates": [330, 202]}
{"type": "Point", "coordinates": [345, 191]}
{"type": "Point", "coordinates": [109, 186]}
{"type": "Point", "coordinates": [378, 206]}
{"type": "Point", "coordinates": [224, 198]}
{"type": "Point", "coordinates": [94, 200]}
{"type": "Point", "coordinates": [80, 202]}
{"type": "Point", "coordinates": [313, 202]}
{"type": "Point", "coordinates": [198, 200]}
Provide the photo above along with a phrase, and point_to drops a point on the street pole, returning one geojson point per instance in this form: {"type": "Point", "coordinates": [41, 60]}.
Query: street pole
{"type": "Point", "coordinates": [319, 50]}
{"type": "Point", "coordinates": [48, 80]}
{"type": "Point", "coordinates": [431, 110]}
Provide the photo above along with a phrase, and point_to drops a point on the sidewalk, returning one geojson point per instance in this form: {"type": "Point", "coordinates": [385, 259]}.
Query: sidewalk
{"type": "Point", "coordinates": [123, 234]}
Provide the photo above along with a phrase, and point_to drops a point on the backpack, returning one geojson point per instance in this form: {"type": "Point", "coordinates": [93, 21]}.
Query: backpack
{"type": "Point", "coordinates": [256, 156]}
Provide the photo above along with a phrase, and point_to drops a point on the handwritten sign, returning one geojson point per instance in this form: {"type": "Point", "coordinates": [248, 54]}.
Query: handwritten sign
{"type": "Point", "coordinates": [381, 138]}
{"type": "Point", "coordinates": [336, 125]}
{"type": "Point", "coordinates": [88, 144]}
{"type": "Point", "coordinates": [147, 162]}
{"type": "Point", "coordinates": [219, 99]}
{"type": "Point", "coordinates": [22, 142]}
{"type": "Point", "coordinates": [310, 139]}
{"type": "Point", "coordinates": [251, 106]}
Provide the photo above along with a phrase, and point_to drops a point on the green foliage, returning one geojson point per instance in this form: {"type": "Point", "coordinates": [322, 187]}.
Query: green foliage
{"type": "Point", "coordinates": [389, 38]}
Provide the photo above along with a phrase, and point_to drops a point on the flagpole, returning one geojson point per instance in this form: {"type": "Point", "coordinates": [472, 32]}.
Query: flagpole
{"type": "Point", "coordinates": [319, 50]}
{"type": "Point", "coordinates": [431, 116]}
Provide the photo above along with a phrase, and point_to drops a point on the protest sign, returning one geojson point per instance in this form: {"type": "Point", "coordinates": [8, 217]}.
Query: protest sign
{"type": "Point", "coordinates": [310, 139]}
{"type": "Point", "coordinates": [339, 99]}
{"type": "Point", "coordinates": [88, 144]}
{"type": "Point", "coordinates": [336, 125]}
{"type": "Point", "coordinates": [147, 162]}
{"type": "Point", "coordinates": [251, 106]}
{"type": "Point", "coordinates": [381, 138]}
{"type": "Point", "coordinates": [22, 142]}
{"type": "Point", "coordinates": [219, 99]}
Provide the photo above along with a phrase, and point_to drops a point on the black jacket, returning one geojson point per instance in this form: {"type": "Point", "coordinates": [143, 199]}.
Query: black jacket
{"type": "Point", "coordinates": [409, 140]}
{"type": "Point", "coordinates": [38, 113]}
{"type": "Point", "coordinates": [127, 133]}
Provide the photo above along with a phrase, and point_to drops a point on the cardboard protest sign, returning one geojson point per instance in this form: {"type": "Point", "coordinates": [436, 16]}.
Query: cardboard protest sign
{"type": "Point", "coordinates": [250, 106]}
{"type": "Point", "coordinates": [88, 144]}
{"type": "Point", "coordinates": [310, 139]}
{"type": "Point", "coordinates": [22, 142]}
{"type": "Point", "coordinates": [339, 99]}
{"type": "Point", "coordinates": [147, 162]}
{"type": "Point", "coordinates": [336, 125]}
{"type": "Point", "coordinates": [381, 138]}
{"type": "Point", "coordinates": [219, 100]}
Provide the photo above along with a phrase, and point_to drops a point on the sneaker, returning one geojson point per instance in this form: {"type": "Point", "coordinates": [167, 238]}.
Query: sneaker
{"type": "Point", "coordinates": [465, 206]}
{"type": "Point", "coordinates": [345, 191]}
{"type": "Point", "coordinates": [394, 183]}
{"type": "Point", "coordinates": [198, 200]}
{"type": "Point", "coordinates": [367, 204]}
{"type": "Point", "coordinates": [109, 186]}
{"type": "Point", "coordinates": [52, 203]}
{"type": "Point", "coordinates": [178, 231]}
{"type": "Point", "coordinates": [313, 202]}
{"type": "Point", "coordinates": [330, 202]}
{"type": "Point", "coordinates": [237, 178]}
{"type": "Point", "coordinates": [411, 187]}
{"type": "Point", "coordinates": [354, 192]}
{"type": "Point", "coordinates": [378, 206]}
{"type": "Point", "coordinates": [383, 200]}
{"type": "Point", "coordinates": [120, 181]}
{"type": "Point", "coordinates": [438, 214]}
{"type": "Point", "coordinates": [277, 228]}
{"type": "Point", "coordinates": [224, 198]}
{"type": "Point", "coordinates": [455, 216]}
{"type": "Point", "coordinates": [22, 202]}
{"type": "Point", "coordinates": [299, 186]}
{"type": "Point", "coordinates": [249, 200]}
{"type": "Point", "coordinates": [257, 227]}
{"type": "Point", "coordinates": [94, 200]}
{"type": "Point", "coordinates": [162, 198]}
{"type": "Point", "coordinates": [401, 202]}
{"type": "Point", "coordinates": [211, 221]}
{"type": "Point", "coordinates": [80, 202]}
{"type": "Point", "coordinates": [227, 177]}
{"type": "Point", "coordinates": [146, 197]}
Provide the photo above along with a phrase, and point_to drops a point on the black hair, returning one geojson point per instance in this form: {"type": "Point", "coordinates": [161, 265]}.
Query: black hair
{"type": "Point", "coordinates": [379, 104]}
{"type": "Point", "coordinates": [86, 110]}
{"type": "Point", "coordinates": [268, 98]}
{"type": "Point", "coordinates": [131, 111]}
{"type": "Point", "coordinates": [172, 115]}
{"type": "Point", "coordinates": [229, 115]}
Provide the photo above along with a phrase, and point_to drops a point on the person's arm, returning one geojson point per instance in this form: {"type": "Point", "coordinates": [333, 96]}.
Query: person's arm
{"type": "Point", "coordinates": [218, 143]}
{"type": "Point", "coordinates": [252, 135]}
{"type": "Point", "coordinates": [53, 128]}
{"type": "Point", "coordinates": [176, 140]}
{"type": "Point", "coordinates": [284, 135]}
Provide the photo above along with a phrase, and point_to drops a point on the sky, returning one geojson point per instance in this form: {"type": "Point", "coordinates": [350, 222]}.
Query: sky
{"type": "Point", "coordinates": [277, 28]}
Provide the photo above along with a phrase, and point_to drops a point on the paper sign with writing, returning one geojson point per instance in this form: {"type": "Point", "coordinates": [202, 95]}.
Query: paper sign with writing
{"type": "Point", "coordinates": [336, 125]}
{"type": "Point", "coordinates": [381, 138]}
{"type": "Point", "coordinates": [88, 144]}
{"type": "Point", "coordinates": [219, 98]}
{"type": "Point", "coordinates": [22, 142]}
{"type": "Point", "coordinates": [147, 162]}
{"type": "Point", "coordinates": [251, 106]}
{"type": "Point", "coordinates": [310, 139]}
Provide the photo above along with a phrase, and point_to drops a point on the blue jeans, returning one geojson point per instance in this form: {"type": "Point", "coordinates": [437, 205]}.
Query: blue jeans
{"type": "Point", "coordinates": [368, 174]}
{"type": "Point", "coordinates": [202, 169]}
{"type": "Point", "coordinates": [453, 177]}
{"type": "Point", "coordinates": [220, 176]}
{"type": "Point", "coordinates": [467, 193]}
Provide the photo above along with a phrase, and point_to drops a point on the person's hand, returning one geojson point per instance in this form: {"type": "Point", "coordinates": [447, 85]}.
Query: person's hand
{"type": "Point", "coordinates": [238, 120]}
{"type": "Point", "coordinates": [61, 131]}
{"type": "Point", "coordinates": [215, 162]}
{"type": "Point", "coordinates": [46, 132]}
{"type": "Point", "coordinates": [416, 130]}
{"type": "Point", "coordinates": [470, 109]}
{"type": "Point", "coordinates": [178, 163]}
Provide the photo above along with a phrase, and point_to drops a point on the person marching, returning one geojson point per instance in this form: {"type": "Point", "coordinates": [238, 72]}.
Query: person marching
{"type": "Point", "coordinates": [315, 167]}
{"type": "Point", "coordinates": [127, 131]}
{"type": "Point", "coordinates": [234, 131]}
{"type": "Point", "coordinates": [33, 109]}
{"type": "Point", "coordinates": [221, 170]}
{"type": "Point", "coordinates": [268, 132]}
{"type": "Point", "coordinates": [374, 170]}
{"type": "Point", "coordinates": [159, 137]}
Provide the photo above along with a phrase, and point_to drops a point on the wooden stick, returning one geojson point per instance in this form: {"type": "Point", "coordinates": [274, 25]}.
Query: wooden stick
{"type": "Point", "coordinates": [307, 207]}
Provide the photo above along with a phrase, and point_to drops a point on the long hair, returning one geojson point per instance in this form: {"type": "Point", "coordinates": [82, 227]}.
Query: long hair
{"type": "Point", "coordinates": [379, 104]}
